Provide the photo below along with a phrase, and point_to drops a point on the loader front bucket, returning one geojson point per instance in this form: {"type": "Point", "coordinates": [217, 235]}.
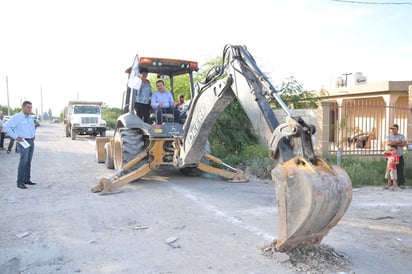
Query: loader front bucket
{"type": "Point", "coordinates": [311, 198]}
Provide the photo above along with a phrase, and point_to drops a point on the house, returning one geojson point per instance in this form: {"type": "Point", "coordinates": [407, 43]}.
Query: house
{"type": "Point", "coordinates": [357, 118]}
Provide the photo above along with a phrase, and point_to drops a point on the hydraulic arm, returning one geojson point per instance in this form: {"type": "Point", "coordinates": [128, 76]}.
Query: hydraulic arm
{"type": "Point", "coordinates": [312, 195]}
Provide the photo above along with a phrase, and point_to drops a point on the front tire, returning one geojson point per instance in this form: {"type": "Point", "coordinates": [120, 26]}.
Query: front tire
{"type": "Point", "coordinates": [128, 143]}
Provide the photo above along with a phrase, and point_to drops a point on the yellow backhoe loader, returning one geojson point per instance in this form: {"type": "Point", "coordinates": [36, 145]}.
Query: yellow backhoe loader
{"type": "Point", "coordinates": [312, 195]}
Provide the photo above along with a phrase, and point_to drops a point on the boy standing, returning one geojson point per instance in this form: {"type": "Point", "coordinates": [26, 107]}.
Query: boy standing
{"type": "Point", "coordinates": [392, 162]}
{"type": "Point", "coordinates": [399, 140]}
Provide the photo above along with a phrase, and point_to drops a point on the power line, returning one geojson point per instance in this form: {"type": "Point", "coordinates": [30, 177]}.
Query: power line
{"type": "Point", "coordinates": [373, 3]}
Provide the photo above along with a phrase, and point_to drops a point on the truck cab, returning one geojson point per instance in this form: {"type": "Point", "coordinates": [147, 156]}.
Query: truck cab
{"type": "Point", "coordinates": [84, 118]}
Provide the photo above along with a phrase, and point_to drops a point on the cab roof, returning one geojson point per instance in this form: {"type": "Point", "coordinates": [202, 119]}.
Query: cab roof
{"type": "Point", "coordinates": [166, 66]}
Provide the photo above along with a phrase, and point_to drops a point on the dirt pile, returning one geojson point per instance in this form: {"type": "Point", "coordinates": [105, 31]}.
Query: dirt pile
{"type": "Point", "coordinates": [310, 259]}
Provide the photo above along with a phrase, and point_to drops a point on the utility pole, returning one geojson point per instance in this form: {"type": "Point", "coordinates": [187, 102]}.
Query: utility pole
{"type": "Point", "coordinates": [346, 78]}
{"type": "Point", "coordinates": [41, 103]}
{"type": "Point", "coordinates": [8, 101]}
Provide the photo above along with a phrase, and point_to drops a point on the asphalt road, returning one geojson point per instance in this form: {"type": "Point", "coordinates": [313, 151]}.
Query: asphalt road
{"type": "Point", "coordinates": [169, 223]}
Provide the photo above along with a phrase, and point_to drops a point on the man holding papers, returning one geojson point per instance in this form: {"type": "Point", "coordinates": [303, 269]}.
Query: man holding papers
{"type": "Point", "coordinates": [21, 128]}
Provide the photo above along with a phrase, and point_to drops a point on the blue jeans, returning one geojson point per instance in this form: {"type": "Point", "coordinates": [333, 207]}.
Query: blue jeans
{"type": "Point", "coordinates": [24, 168]}
{"type": "Point", "coordinates": [2, 135]}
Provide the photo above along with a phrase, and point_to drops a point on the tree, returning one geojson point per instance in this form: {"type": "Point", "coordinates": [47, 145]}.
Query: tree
{"type": "Point", "coordinates": [181, 85]}
{"type": "Point", "coordinates": [228, 136]}
{"type": "Point", "coordinates": [110, 115]}
{"type": "Point", "coordinates": [293, 94]}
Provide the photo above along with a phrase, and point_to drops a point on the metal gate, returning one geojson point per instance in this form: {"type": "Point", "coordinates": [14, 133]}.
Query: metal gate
{"type": "Point", "coordinates": [360, 126]}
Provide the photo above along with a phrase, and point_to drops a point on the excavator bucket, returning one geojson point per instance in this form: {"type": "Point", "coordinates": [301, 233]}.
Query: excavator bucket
{"type": "Point", "coordinates": [311, 198]}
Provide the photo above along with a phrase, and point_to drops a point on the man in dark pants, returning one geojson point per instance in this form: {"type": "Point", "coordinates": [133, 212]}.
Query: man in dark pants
{"type": "Point", "coordinates": [142, 97]}
{"type": "Point", "coordinates": [399, 140]}
{"type": "Point", "coordinates": [21, 128]}
{"type": "Point", "coordinates": [2, 132]}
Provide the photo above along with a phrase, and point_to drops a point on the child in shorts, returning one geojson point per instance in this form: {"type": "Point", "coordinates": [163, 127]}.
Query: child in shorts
{"type": "Point", "coordinates": [392, 158]}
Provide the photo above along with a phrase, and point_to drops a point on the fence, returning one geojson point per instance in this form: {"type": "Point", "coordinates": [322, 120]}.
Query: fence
{"type": "Point", "coordinates": [360, 126]}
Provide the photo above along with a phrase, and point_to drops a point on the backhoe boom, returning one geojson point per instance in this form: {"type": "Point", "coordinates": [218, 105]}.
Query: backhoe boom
{"type": "Point", "coordinates": [312, 196]}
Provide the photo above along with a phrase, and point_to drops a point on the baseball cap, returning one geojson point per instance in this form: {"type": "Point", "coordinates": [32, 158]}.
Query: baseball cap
{"type": "Point", "coordinates": [394, 126]}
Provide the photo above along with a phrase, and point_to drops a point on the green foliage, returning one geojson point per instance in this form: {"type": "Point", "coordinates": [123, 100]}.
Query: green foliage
{"type": "Point", "coordinates": [253, 151]}
{"type": "Point", "coordinates": [261, 167]}
{"type": "Point", "coordinates": [4, 110]}
{"type": "Point", "coordinates": [232, 138]}
{"type": "Point", "coordinates": [258, 160]}
{"type": "Point", "coordinates": [364, 171]}
{"type": "Point", "coordinates": [181, 85]}
{"type": "Point", "coordinates": [110, 116]}
{"type": "Point", "coordinates": [229, 136]}
{"type": "Point", "coordinates": [292, 93]}
{"type": "Point", "coordinates": [407, 157]}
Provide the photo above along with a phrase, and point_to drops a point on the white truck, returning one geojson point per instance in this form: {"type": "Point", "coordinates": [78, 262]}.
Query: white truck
{"type": "Point", "coordinates": [84, 118]}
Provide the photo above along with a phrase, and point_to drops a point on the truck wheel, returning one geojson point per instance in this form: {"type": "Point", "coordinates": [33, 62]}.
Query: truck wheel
{"type": "Point", "coordinates": [109, 159]}
{"type": "Point", "coordinates": [73, 134]}
{"type": "Point", "coordinates": [128, 143]}
{"type": "Point", "coordinates": [103, 133]}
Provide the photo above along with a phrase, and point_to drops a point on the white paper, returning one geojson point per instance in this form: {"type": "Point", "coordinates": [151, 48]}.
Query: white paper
{"type": "Point", "coordinates": [24, 143]}
{"type": "Point", "coordinates": [134, 82]}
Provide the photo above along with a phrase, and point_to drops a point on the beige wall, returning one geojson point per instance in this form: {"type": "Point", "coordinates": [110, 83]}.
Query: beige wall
{"type": "Point", "coordinates": [373, 110]}
{"type": "Point", "coordinates": [367, 108]}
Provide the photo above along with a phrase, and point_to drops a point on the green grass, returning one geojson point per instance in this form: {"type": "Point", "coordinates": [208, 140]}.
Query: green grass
{"type": "Point", "coordinates": [363, 170]}
{"type": "Point", "coordinates": [366, 171]}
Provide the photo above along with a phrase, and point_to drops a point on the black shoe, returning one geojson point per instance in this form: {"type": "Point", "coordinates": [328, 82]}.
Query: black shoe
{"type": "Point", "coordinates": [402, 186]}
{"type": "Point", "coordinates": [22, 186]}
{"type": "Point", "coordinates": [29, 183]}
{"type": "Point", "coordinates": [8, 151]}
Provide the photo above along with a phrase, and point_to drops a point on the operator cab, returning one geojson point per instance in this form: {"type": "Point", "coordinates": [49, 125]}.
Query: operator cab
{"type": "Point", "coordinates": [166, 69]}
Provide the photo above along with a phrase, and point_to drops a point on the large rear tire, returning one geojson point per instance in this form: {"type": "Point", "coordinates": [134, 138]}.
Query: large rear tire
{"type": "Point", "coordinates": [128, 143]}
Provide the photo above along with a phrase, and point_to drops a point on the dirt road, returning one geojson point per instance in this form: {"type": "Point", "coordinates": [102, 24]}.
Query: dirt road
{"type": "Point", "coordinates": [168, 223]}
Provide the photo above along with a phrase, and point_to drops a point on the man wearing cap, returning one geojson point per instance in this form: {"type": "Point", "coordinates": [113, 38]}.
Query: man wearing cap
{"type": "Point", "coordinates": [399, 140]}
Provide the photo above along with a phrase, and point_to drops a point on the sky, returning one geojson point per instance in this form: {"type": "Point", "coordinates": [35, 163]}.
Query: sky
{"type": "Point", "coordinates": [53, 51]}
